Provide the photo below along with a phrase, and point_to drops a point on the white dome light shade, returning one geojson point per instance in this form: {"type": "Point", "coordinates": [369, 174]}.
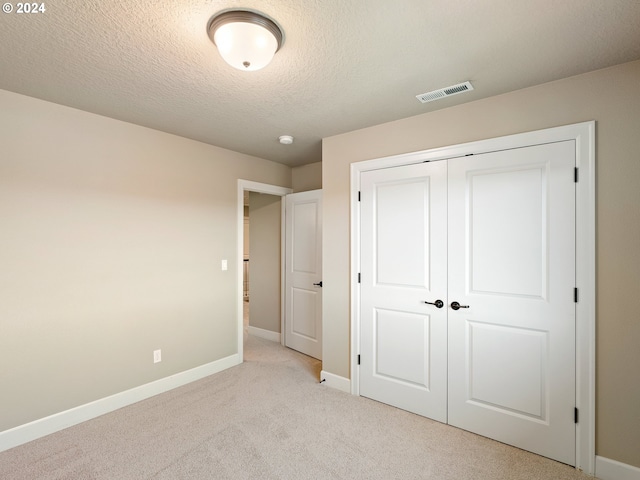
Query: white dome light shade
{"type": "Point", "coordinates": [245, 46]}
{"type": "Point", "coordinates": [246, 40]}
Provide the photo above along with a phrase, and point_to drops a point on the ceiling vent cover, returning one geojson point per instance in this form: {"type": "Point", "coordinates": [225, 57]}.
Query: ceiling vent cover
{"type": "Point", "coordinates": [445, 92]}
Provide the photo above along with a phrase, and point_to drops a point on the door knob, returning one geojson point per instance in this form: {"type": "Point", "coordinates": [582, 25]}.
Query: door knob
{"type": "Point", "coordinates": [437, 303]}
{"type": "Point", "coordinates": [319, 284]}
{"type": "Point", "coordinates": [457, 306]}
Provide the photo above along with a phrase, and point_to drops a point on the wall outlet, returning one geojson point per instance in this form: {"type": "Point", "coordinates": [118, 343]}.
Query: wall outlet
{"type": "Point", "coordinates": [224, 265]}
{"type": "Point", "coordinates": [157, 356]}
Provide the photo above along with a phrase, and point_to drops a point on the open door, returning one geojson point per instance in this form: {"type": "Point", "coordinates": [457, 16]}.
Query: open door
{"type": "Point", "coordinates": [303, 273]}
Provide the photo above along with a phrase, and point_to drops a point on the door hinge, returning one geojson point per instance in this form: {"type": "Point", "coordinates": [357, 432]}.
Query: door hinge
{"type": "Point", "coordinates": [575, 174]}
{"type": "Point", "coordinates": [575, 295]}
{"type": "Point", "coordinates": [358, 359]}
{"type": "Point", "coordinates": [575, 415]}
{"type": "Point", "coordinates": [358, 196]}
{"type": "Point", "coordinates": [358, 278]}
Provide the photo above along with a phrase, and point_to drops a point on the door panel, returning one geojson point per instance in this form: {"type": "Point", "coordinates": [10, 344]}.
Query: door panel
{"type": "Point", "coordinates": [403, 340]}
{"type": "Point", "coordinates": [492, 349]}
{"type": "Point", "coordinates": [303, 319]}
{"type": "Point", "coordinates": [393, 223]}
{"type": "Point", "coordinates": [401, 350]}
{"type": "Point", "coordinates": [511, 202]}
{"type": "Point", "coordinates": [303, 269]}
{"type": "Point", "coordinates": [512, 261]}
{"type": "Point", "coordinates": [304, 224]}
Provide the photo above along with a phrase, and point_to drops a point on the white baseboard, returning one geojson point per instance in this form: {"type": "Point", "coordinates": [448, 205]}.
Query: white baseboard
{"type": "Point", "coordinates": [59, 421]}
{"type": "Point", "coordinates": [266, 334]}
{"type": "Point", "coordinates": [607, 469]}
{"type": "Point", "coordinates": [335, 381]}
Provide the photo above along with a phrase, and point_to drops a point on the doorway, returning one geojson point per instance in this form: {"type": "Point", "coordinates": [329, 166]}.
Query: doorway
{"type": "Point", "coordinates": [262, 265]}
{"type": "Point", "coordinates": [246, 187]}
{"type": "Point", "coordinates": [468, 313]}
{"type": "Point", "coordinates": [581, 141]}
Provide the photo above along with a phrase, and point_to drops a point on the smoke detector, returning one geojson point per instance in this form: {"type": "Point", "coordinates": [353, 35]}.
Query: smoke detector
{"type": "Point", "coordinates": [285, 139]}
{"type": "Point", "coordinates": [445, 92]}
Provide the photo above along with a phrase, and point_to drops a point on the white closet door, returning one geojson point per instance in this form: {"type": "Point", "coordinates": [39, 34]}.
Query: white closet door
{"type": "Point", "coordinates": [512, 263]}
{"type": "Point", "coordinates": [494, 233]}
{"type": "Point", "coordinates": [403, 339]}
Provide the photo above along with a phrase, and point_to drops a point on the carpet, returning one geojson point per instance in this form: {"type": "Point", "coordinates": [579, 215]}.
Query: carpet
{"type": "Point", "coordinates": [269, 418]}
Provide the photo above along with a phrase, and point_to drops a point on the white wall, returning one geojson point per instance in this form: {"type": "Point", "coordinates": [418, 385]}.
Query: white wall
{"type": "Point", "coordinates": [306, 177]}
{"type": "Point", "coordinates": [265, 212]}
{"type": "Point", "coordinates": [611, 98]}
{"type": "Point", "coordinates": [111, 240]}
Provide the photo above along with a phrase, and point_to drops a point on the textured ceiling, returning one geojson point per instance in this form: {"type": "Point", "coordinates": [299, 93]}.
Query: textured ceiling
{"type": "Point", "coordinates": [344, 65]}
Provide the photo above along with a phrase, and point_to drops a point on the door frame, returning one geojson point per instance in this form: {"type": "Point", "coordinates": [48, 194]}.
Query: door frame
{"type": "Point", "coordinates": [584, 136]}
{"type": "Point", "coordinates": [249, 186]}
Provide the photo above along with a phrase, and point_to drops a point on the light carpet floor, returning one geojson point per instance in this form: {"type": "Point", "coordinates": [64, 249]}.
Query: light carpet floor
{"type": "Point", "coordinates": [269, 419]}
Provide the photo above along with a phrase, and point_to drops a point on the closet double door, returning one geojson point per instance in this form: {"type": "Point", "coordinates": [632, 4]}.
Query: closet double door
{"type": "Point", "coordinates": [467, 311]}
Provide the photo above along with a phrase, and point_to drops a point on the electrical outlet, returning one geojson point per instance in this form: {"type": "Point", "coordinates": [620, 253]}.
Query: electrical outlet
{"type": "Point", "coordinates": [157, 356]}
{"type": "Point", "coordinates": [224, 265]}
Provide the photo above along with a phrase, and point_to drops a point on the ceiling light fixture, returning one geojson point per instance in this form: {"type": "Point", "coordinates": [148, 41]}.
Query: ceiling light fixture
{"type": "Point", "coordinates": [246, 40]}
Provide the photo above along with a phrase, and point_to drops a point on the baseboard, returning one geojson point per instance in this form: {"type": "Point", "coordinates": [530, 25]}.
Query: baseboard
{"type": "Point", "coordinates": [607, 469]}
{"type": "Point", "coordinates": [266, 334]}
{"type": "Point", "coordinates": [59, 421]}
{"type": "Point", "coordinates": [335, 381]}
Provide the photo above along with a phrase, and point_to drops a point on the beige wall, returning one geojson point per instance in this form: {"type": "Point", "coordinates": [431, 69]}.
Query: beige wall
{"type": "Point", "coordinates": [307, 177]}
{"type": "Point", "coordinates": [111, 240]}
{"type": "Point", "coordinates": [608, 96]}
{"type": "Point", "coordinates": [264, 240]}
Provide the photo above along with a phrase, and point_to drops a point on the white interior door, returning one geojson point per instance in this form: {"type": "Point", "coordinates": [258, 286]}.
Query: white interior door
{"type": "Point", "coordinates": [496, 234]}
{"type": "Point", "coordinates": [303, 271]}
{"type": "Point", "coordinates": [512, 262]}
{"type": "Point", "coordinates": [403, 351]}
